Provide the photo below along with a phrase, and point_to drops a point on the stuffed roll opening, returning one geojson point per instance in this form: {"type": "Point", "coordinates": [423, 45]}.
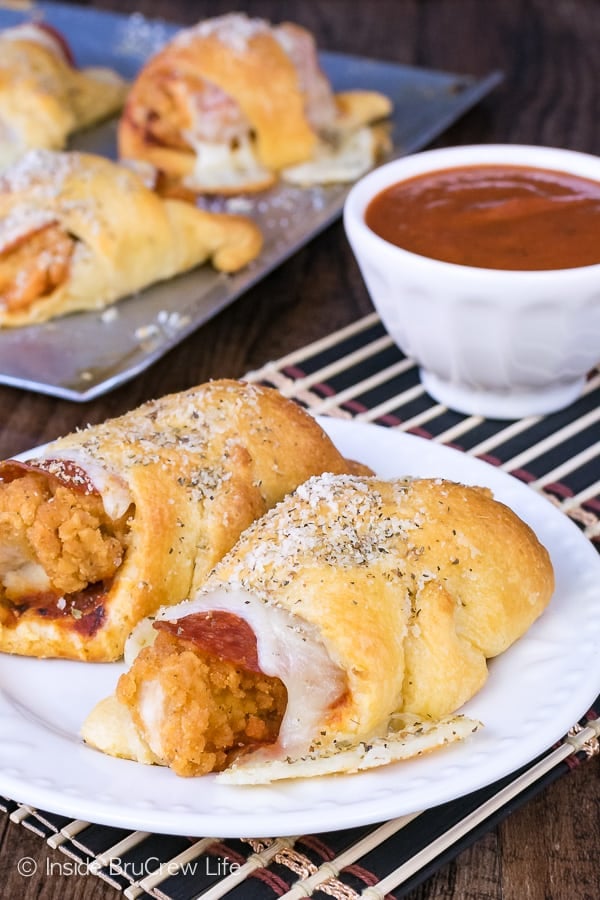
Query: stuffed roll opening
{"type": "Point", "coordinates": [59, 547]}
{"type": "Point", "coordinates": [180, 112]}
{"type": "Point", "coordinates": [231, 677]}
{"type": "Point", "coordinates": [35, 257]}
{"type": "Point", "coordinates": [229, 102]}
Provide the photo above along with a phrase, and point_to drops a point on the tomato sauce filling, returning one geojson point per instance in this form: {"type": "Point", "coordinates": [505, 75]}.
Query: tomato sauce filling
{"type": "Point", "coordinates": [34, 266]}
{"type": "Point", "coordinates": [84, 610]}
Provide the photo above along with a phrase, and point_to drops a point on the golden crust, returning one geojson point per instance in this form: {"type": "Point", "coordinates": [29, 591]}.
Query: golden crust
{"type": "Point", "coordinates": [410, 585]}
{"type": "Point", "coordinates": [44, 99]}
{"type": "Point", "coordinates": [359, 108]}
{"type": "Point", "coordinates": [112, 728]}
{"type": "Point", "coordinates": [449, 553]}
{"type": "Point", "coordinates": [198, 467]}
{"type": "Point", "coordinates": [270, 74]}
{"type": "Point", "coordinates": [283, 135]}
{"type": "Point", "coordinates": [124, 236]}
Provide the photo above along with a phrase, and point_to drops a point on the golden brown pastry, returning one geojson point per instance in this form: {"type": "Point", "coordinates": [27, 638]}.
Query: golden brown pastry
{"type": "Point", "coordinates": [111, 522]}
{"type": "Point", "coordinates": [44, 97]}
{"type": "Point", "coordinates": [78, 232]}
{"type": "Point", "coordinates": [232, 103]}
{"type": "Point", "coordinates": [341, 632]}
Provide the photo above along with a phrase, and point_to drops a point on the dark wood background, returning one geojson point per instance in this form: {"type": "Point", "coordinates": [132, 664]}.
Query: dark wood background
{"type": "Point", "coordinates": [549, 53]}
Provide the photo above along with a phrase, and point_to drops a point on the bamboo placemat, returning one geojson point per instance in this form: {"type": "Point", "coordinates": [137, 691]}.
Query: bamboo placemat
{"type": "Point", "coordinates": [359, 373]}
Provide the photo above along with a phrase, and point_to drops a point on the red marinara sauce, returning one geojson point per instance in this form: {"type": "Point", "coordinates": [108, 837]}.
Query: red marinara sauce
{"type": "Point", "coordinates": [493, 217]}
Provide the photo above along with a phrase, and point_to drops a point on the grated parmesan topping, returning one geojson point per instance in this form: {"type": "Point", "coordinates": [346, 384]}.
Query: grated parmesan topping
{"type": "Point", "coordinates": [233, 30]}
{"type": "Point", "coordinates": [334, 520]}
{"type": "Point", "coordinates": [21, 222]}
{"type": "Point", "coordinates": [180, 436]}
{"type": "Point", "coordinates": [45, 175]}
{"type": "Point", "coordinates": [139, 37]}
{"type": "Point", "coordinates": [66, 473]}
{"type": "Point", "coordinates": [37, 167]}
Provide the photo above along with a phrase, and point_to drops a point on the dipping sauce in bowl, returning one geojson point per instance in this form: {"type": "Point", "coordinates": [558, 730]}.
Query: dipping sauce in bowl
{"type": "Point", "coordinates": [485, 270]}
{"type": "Point", "coordinates": [508, 217]}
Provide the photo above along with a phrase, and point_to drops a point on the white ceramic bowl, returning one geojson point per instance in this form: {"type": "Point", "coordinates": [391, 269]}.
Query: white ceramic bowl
{"type": "Point", "coordinates": [498, 343]}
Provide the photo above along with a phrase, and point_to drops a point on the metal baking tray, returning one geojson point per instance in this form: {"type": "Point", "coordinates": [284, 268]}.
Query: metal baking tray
{"type": "Point", "coordinates": [87, 354]}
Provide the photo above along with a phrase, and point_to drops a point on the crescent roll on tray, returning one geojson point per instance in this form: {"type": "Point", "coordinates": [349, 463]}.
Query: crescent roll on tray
{"type": "Point", "coordinates": [232, 103]}
{"type": "Point", "coordinates": [78, 232]}
{"type": "Point", "coordinates": [341, 632]}
{"type": "Point", "coordinates": [111, 522]}
{"type": "Point", "coordinates": [44, 97]}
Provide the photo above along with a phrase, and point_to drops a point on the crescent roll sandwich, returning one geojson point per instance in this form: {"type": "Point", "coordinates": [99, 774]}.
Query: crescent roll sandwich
{"type": "Point", "coordinates": [44, 97]}
{"type": "Point", "coordinates": [111, 522]}
{"type": "Point", "coordinates": [342, 631]}
{"type": "Point", "coordinates": [78, 232]}
{"type": "Point", "coordinates": [233, 103]}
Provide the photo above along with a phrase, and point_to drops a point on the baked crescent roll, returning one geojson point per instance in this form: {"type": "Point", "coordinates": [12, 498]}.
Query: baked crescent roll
{"type": "Point", "coordinates": [341, 632]}
{"type": "Point", "coordinates": [233, 102]}
{"type": "Point", "coordinates": [44, 97]}
{"type": "Point", "coordinates": [78, 232]}
{"type": "Point", "coordinates": [111, 522]}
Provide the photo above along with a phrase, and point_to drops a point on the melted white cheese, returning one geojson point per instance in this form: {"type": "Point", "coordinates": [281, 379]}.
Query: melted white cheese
{"type": "Point", "coordinates": [222, 165]}
{"type": "Point", "coordinates": [143, 635]}
{"type": "Point", "coordinates": [417, 738]}
{"type": "Point", "coordinates": [288, 649]}
{"type": "Point", "coordinates": [340, 163]}
{"type": "Point", "coordinates": [151, 711]}
{"type": "Point", "coordinates": [115, 493]}
{"type": "Point", "coordinates": [21, 580]}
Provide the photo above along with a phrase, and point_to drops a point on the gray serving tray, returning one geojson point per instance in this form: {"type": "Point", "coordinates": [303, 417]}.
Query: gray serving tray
{"type": "Point", "coordinates": [87, 354]}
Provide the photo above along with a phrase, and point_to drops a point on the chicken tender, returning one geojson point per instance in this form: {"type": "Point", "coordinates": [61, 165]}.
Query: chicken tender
{"type": "Point", "coordinates": [377, 604]}
{"type": "Point", "coordinates": [119, 519]}
{"type": "Point", "coordinates": [54, 542]}
{"type": "Point", "coordinates": [212, 708]}
{"type": "Point", "coordinates": [34, 266]}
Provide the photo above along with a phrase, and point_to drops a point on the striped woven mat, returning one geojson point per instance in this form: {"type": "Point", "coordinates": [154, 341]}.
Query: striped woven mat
{"type": "Point", "coordinates": [359, 373]}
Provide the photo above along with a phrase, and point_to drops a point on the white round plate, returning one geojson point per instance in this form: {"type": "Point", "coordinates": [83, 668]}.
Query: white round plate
{"type": "Point", "coordinates": [535, 692]}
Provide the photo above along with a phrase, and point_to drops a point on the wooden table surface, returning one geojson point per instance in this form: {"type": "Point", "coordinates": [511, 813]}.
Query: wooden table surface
{"type": "Point", "coordinates": [548, 51]}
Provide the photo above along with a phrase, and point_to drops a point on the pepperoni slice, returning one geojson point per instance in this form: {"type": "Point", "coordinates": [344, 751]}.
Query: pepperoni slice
{"type": "Point", "coordinates": [63, 470]}
{"type": "Point", "coordinates": [218, 633]}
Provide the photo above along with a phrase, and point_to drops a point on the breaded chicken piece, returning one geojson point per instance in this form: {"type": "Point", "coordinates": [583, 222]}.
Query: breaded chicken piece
{"type": "Point", "coordinates": [211, 708]}
{"type": "Point", "coordinates": [35, 267]}
{"type": "Point", "coordinates": [53, 539]}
